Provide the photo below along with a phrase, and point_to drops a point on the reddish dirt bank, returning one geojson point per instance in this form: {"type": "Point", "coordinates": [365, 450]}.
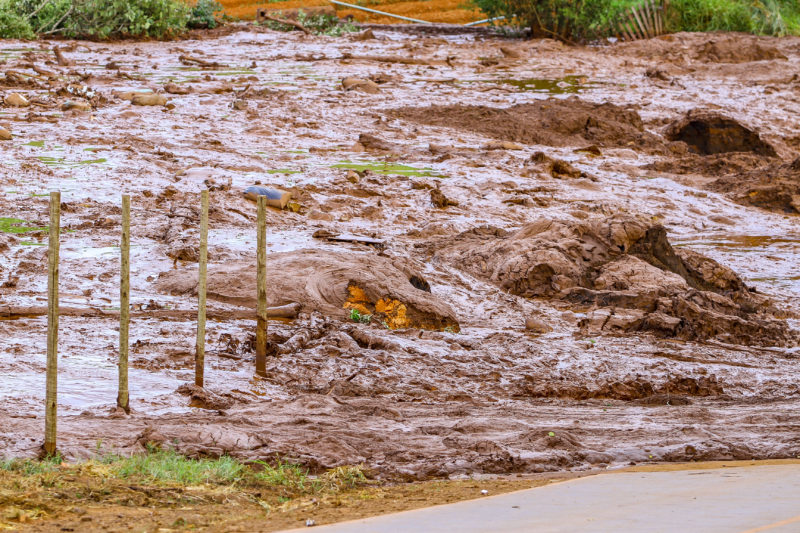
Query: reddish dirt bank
{"type": "Point", "coordinates": [571, 257]}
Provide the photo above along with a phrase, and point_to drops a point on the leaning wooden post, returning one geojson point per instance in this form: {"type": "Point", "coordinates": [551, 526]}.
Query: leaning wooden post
{"type": "Point", "coordinates": [261, 274]}
{"type": "Point", "coordinates": [51, 394]}
{"type": "Point", "coordinates": [200, 350]}
{"type": "Point", "coordinates": [124, 304]}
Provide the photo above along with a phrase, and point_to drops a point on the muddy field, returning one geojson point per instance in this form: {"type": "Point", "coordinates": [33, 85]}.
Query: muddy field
{"type": "Point", "coordinates": [573, 258]}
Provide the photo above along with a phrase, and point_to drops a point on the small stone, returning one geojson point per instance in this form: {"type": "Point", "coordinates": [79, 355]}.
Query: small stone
{"type": "Point", "coordinates": [16, 100]}
{"type": "Point", "coordinates": [439, 200]}
{"type": "Point", "coordinates": [240, 105]}
{"type": "Point", "coordinates": [310, 523]}
{"type": "Point", "coordinates": [5, 135]}
{"type": "Point", "coordinates": [76, 106]}
{"type": "Point", "coordinates": [319, 215]}
{"type": "Point", "coordinates": [534, 325]}
{"type": "Point", "coordinates": [174, 88]}
{"type": "Point", "coordinates": [502, 145]}
{"type": "Point", "coordinates": [352, 176]}
{"type": "Point", "coordinates": [148, 99]}
{"type": "Point", "coordinates": [358, 84]}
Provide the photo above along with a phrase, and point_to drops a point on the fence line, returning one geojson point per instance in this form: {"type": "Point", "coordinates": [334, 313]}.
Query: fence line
{"type": "Point", "coordinates": [51, 391]}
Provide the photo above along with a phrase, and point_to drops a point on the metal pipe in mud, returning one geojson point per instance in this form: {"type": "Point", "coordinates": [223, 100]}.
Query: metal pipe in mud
{"type": "Point", "coordinates": [483, 21]}
{"type": "Point", "coordinates": [51, 390]}
{"type": "Point", "coordinates": [380, 12]}
{"type": "Point", "coordinates": [200, 349]}
{"type": "Point", "coordinates": [261, 275]}
{"type": "Point", "coordinates": [124, 303]}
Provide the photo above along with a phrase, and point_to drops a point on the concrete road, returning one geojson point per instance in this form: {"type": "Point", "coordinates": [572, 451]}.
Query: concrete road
{"type": "Point", "coordinates": [739, 500]}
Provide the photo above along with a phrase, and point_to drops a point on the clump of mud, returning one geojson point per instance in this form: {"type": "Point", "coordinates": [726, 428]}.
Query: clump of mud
{"type": "Point", "coordinates": [709, 144]}
{"type": "Point", "coordinates": [552, 122]}
{"type": "Point", "coordinates": [707, 133]}
{"type": "Point", "coordinates": [389, 289]}
{"type": "Point", "coordinates": [624, 270]}
{"type": "Point", "coordinates": [734, 49]}
{"type": "Point", "coordinates": [775, 187]}
{"type": "Point", "coordinates": [682, 48]}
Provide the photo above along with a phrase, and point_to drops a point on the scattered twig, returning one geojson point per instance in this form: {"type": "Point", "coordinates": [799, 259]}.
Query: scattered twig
{"type": "Point", "coordinates": [287, 22]}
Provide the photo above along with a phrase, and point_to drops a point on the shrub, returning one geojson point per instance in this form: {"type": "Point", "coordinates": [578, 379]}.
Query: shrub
{"type": "Point", "coordinates": [13, 25]}
{"type": "Point", "coordinates": [103, 19]}
{"type": "Point", "coordinates": [584, 20]}
{"type": "Point", "coordinates": [202, 15]}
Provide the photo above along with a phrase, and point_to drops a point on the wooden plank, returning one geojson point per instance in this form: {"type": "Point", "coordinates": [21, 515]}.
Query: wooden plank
{"type": "Point", "coordinates": [648, 18]}
{"type": "Point", "coordinates": [638, 19]}
{"type": "Point", "coordinates": [200, 345]}
{"type": "Point", "coordinates": [261, 287]}
{"type": "Point", "coordinates": [123, 400]}
{"type": "Point", "coordinates": [51, 388]}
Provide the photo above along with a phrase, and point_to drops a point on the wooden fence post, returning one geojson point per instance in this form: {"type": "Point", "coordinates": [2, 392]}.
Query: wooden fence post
{"type": "Point", "coordinates": [261, 274]}
{"type": "Point", "coordinates": [51, 392]}
{"type": "Point", "coordinates": [200, 348]}
{"type": "Point", "coordinates": [123, 401]}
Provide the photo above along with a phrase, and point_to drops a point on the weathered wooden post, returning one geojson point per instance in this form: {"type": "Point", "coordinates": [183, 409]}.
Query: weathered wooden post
{"type": "Point", "coordinates": [51, 392]}
{"type": "Point", "coordinates": [261, 274]}
{"type": "Point", "coordinates": [200, 349]}
{"type": "Point", "coordinates": [124, 304]}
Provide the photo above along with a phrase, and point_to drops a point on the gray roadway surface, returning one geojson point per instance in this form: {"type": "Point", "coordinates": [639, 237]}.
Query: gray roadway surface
{"type": "Point", "coordinates": [744, 499]}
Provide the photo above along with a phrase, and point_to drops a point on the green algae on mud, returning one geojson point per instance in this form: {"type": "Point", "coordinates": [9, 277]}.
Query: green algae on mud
{"type": "Point", "coordinates": [386, 168]}
{"type": "Point", "coordinates": [565, 85]}
{"type": "Point", "coordinates": [17, 225]}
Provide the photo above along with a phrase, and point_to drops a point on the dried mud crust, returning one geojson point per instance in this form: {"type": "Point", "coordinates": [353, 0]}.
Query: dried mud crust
{"type": "Point", "coordinates": [625, 269]}
{"type": "Point", "coordinates": [775, 187]}
{"type": "Point", "coordinates": [551, 122]}
{"type": "Point", "coordinates": [391, 290]}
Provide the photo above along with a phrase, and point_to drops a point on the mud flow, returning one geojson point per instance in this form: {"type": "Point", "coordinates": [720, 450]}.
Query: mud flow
{"type": "Point", "coordinates": [498, 256]}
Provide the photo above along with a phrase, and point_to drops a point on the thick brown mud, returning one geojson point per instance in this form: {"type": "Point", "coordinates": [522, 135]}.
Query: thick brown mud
{"type": "Point", "coordinates": [524, 259]}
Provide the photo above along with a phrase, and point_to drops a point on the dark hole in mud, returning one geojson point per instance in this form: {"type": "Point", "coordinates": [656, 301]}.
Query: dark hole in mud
{"type": "Point", "coordinates": [420, 283]}
{"type": "Point", "coordinates": [710, 134]}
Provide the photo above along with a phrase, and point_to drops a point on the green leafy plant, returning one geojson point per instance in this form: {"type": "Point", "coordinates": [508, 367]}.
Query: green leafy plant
{"type": "Point", "coordinates": [320, 23]}
{"type": "Point", "coordinates": [102, 19]}
{"type": "Point", "coordinates": [13, 25]}
{"type": "Point", "coordinates": [357, 316]}
{"type": "Point", "coordinates": [203, 14]}
{"type": "Point", "coordinates": [585, 20]}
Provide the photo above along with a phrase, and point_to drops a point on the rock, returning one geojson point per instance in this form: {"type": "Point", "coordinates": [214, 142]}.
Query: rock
{"type": "Point", "coordinates": [509, 52]}
{"type": "Point", "coordinates": [76, 106]}
{"type": "Point", "coordinates": [148, 99]}
{"type": "Point", "coordinates": [502, 145]}
{"type": "Point", "coordinates": [5, 135]}
{"type": "Point", "coordinates": [439, 200]}
{"type": "Point", "coordinates": [319, 215]}
{"type": "Point", "coordinates": [557, 168]}
{"type": "Point", "coordinates": [16, 100]}
{"type": "Point", "coordinates": [358, 84]}
{"type": "Point", "coordinates": [352, 176]}
{"type": "Point", "coordinates": [376, 144]}
{"type": "Point", "coordinates": [174, 88]}
{"type": "Point", "coordinates": [534, 325]}
{"type": "Point", "coordinates": [240, 105]}
{"type": "Point", "coordinates": [363, 36]}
